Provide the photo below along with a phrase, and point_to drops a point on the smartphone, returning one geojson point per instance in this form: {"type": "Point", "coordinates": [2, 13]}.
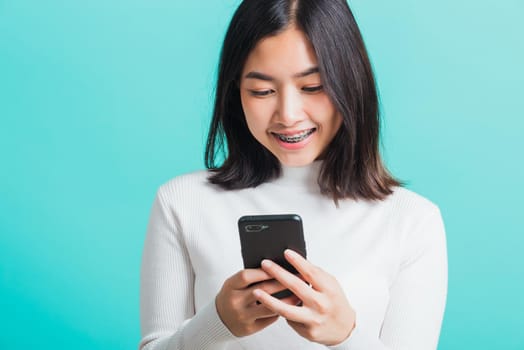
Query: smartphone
{"type": "Point", "coordinates": [267, 237]}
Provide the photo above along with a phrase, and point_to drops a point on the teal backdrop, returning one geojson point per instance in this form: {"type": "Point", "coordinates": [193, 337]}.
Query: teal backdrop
{"type": "Point", "coordinates": [101, 101]}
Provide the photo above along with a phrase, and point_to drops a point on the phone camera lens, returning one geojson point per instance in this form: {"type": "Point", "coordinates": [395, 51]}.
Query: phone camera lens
{"type": "Point", "coordinates": [255, 228]}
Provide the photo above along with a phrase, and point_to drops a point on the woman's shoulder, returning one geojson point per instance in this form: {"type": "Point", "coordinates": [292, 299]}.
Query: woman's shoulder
{"type": "Point", "coordinates": [411, 203]}
{"type": "Point", "coordinates": [189, 184]}
{"type": "Point", "coordinates": [417, 221]}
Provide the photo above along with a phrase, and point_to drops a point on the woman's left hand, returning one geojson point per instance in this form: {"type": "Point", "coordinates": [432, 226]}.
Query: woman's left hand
{"type": "Point", "coordinates": [325, 315]}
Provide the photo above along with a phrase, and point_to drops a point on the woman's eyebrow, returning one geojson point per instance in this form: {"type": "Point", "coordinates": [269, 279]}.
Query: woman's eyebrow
{"type": "Point", "coordinates": [307, 72]}
{"type": "Point", "coordinates": [258, 75]}
{"type": "Point", "coordinates": [265, 77]}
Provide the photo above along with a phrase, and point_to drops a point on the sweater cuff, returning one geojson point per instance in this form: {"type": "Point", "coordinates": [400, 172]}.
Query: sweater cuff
{"type": "Point", "coordinates": [358, 340]}
{"type": "Point", "coordinates": [206, 330]}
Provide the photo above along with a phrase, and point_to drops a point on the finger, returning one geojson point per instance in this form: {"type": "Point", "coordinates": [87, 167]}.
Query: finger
{"type": "Point", "coordinates": [300, 328]}
{"type": "Point", "coordinates": [244, 278]}
{"type": "Point", "coordinates": [292, 300]}
{"type": "Point", "coordinates": [257, 311]}
{"type": "Point", "coordinates": [264, 322]}
{"type": "Point", "coordinates": [271, 287]}
{"type": "Point", "coordinates": [308, 272]}
{"type": "Point", "coordinates": [290, 312]}
{"type": "Point", "coordinates": [289, 280]}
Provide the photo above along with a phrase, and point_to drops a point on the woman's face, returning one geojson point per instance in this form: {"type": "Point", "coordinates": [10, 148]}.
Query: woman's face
{"type": "Point", "coordinates": [285, 105]}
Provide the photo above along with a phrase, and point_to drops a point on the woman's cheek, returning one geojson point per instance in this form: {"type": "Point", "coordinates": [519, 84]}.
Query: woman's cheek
{"type": "Point", "coordinates": [259, 110]}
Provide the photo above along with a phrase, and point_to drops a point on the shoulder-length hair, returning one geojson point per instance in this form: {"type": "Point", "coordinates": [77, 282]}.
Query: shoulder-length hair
{"type": "Point", "coordinates": [352, 166]}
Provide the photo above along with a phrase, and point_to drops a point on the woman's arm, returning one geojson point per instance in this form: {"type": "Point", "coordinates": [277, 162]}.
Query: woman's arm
{"type": "Point", "coordinates": [167, 313]}
{"type": "Point", "coordinates": [417, 297]}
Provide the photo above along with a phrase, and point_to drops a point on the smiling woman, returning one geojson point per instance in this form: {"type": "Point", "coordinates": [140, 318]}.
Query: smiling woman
{"type": "Point", "coordinates": [296, 115]}
{"type": "Point", "coordinates": [296, 40]}
{"type": "Point", "coordinates": [282, 96]}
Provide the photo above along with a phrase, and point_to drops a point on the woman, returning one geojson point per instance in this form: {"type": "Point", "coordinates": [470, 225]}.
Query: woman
{"type": "Point", "coordinates": [296, 109]}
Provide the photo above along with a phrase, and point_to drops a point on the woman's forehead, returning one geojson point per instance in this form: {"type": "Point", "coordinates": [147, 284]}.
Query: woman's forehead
{"type": "Point", "coordinates": [288, 53]}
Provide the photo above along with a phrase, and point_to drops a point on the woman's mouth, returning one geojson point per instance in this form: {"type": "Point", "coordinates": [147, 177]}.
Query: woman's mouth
{"type": "Point", "coordinates": [295, 138]}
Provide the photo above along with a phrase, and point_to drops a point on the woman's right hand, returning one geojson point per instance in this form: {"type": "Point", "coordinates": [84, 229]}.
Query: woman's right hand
{"type": "Point", "coordinates": [237, 306]}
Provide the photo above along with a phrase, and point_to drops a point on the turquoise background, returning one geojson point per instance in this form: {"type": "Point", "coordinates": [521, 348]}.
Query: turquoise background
{"type": "Point", "coordinates": [102, 101]}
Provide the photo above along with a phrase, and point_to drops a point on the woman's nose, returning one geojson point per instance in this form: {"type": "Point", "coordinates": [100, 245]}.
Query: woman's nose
{"type": "Point", "coordinates": [289, 110]}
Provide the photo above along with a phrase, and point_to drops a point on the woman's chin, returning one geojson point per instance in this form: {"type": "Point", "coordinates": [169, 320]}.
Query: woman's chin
{"type": "Point", "coordinates": [296, 160]}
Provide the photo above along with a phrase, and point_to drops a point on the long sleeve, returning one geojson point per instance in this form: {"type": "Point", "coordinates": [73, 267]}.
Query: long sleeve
{"type": "Point", "coordinates": [389, 256]}
{"type": "Point", "coordinates": [167, 312]}
{"type": "Point", "coordinates": [417, 297]}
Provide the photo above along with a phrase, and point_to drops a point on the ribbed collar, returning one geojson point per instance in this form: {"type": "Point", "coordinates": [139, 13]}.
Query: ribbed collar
{"type": "Point", "coordinates": [303, 177]}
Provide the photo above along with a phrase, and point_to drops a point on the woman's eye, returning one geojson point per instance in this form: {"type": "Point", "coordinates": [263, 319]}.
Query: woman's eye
{"type": "Point", "coordinates": [261, 92]}
{"type": "Point", "coordinates": [312, 88]}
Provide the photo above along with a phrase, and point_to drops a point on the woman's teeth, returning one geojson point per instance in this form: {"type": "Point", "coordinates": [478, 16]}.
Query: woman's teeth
{"type": "Point", "coordinates": [296, 137]}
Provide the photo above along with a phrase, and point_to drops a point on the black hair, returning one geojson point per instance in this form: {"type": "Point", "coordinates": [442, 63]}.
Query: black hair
{"type": "Point", "coordinates": [352, 166]}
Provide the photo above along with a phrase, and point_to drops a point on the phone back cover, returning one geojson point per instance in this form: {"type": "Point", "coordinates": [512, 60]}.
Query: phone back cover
{"type": "Point", "coordinates": [278, 233]}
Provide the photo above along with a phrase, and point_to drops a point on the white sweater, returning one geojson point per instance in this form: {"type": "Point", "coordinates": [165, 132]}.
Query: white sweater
{"type": "Point", "coordinates": [389, 257]}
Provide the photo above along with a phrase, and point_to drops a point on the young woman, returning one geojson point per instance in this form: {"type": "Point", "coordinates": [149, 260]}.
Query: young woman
{"type": "Point", "coordinates": [296, 115]}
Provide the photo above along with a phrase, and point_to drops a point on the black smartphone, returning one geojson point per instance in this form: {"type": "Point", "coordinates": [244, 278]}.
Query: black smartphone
{"type": "Point", "coordinates": [267, 237]}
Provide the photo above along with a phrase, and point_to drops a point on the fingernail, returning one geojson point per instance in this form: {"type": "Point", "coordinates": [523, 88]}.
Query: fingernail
{"type": "Point", "coordinates": [290, 253]}
{"type": "Point", "coordinates": [257, 293]}
{"type": "Point", "coordinates": [266, 263]}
